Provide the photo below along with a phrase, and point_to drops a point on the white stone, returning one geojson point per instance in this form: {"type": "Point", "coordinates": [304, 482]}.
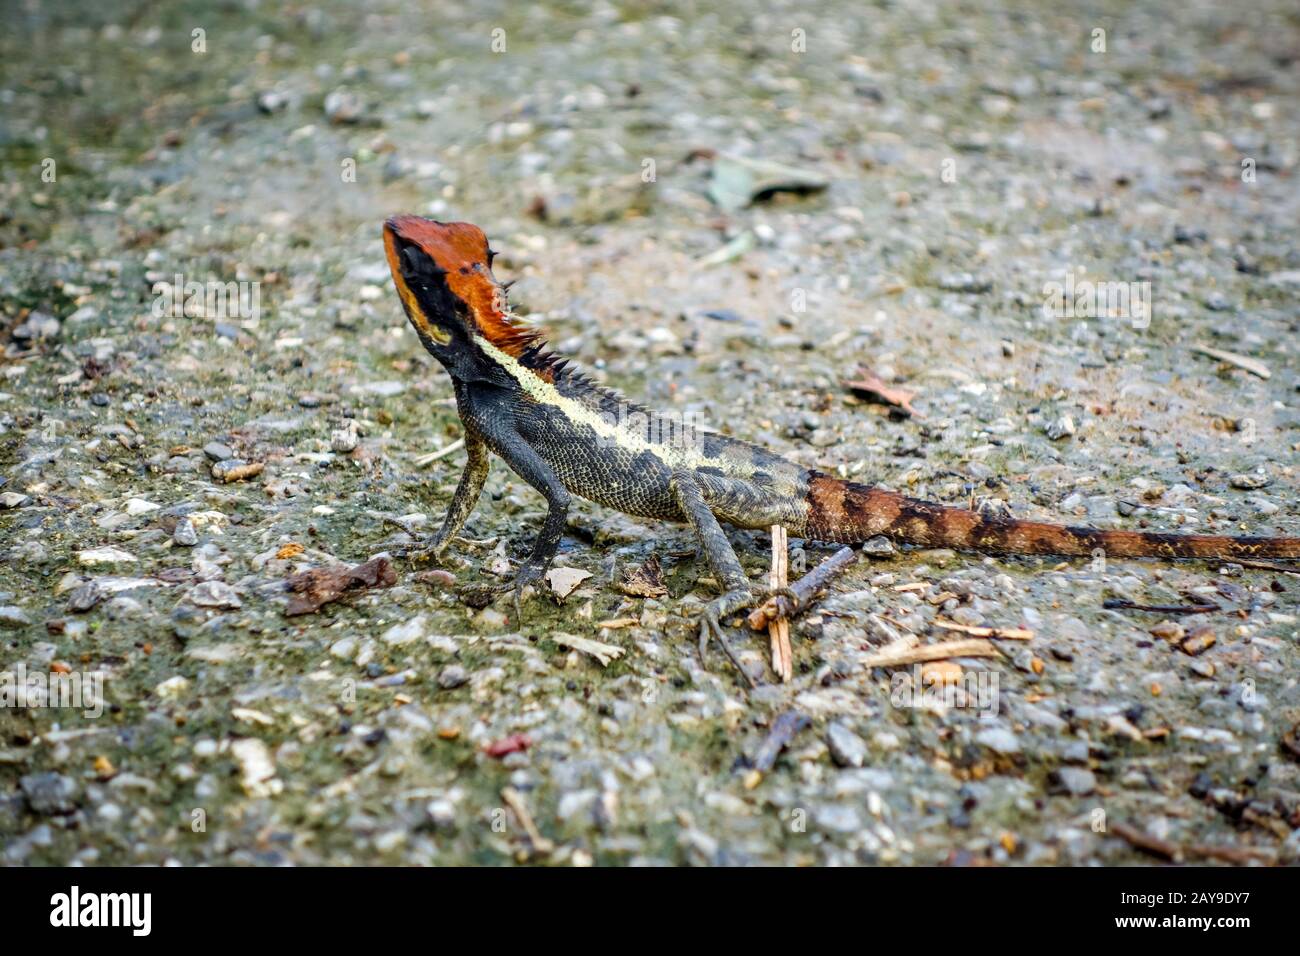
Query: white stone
{"type": "Point", "coordinates": [107, 555]}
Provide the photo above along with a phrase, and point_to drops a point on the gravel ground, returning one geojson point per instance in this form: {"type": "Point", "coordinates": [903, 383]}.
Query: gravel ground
{"type": "Point", "coordinates": [163, 475]}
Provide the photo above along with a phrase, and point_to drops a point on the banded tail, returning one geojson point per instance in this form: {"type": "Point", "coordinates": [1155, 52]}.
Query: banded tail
{"type": "Point", "coordinates": [849, 513]}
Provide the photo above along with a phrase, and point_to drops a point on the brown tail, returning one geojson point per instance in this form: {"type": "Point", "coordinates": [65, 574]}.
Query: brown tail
{"type": "Point", "coordinates": [847, 512]}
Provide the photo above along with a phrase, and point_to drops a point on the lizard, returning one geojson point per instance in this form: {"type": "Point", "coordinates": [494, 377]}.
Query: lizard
{"type": "Point", "coordinates": [566, 435]}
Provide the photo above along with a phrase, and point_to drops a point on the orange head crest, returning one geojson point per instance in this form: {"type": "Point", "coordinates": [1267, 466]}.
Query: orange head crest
{"type": "Point", "coordinates": [443, 274]}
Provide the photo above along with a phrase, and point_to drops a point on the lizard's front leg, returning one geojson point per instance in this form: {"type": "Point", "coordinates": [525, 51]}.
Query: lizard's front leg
{"type": "Point", "coordinates": [738, 593]}
{"type": "Point", "coordinates": [532, 468]}
{"type": "Point", "coordinates": [467, 494]}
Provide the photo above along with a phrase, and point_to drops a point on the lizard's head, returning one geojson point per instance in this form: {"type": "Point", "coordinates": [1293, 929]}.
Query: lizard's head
{"type": "Point", "coordinates": [443, 275]}
{"type": "Point", "coordinates": [443, 272]}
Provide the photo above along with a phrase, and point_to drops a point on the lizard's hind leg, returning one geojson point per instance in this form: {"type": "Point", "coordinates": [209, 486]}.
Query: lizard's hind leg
{"type": "Point", "coordinates": [467, 494]}
{"type": "Point", "coordinates": [738, 593]}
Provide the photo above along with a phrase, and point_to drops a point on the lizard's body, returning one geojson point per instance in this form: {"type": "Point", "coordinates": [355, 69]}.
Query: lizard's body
{"type": "Point", "coordinates": [565, 435]}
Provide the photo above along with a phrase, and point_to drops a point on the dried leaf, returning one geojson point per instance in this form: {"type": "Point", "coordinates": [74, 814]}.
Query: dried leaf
{"type": "Point", "coordinates": [319, 586]}
{"type": "Point", "coordinates": [644, 581]}
{"type": "Point", "coordinates": [737, 181]}
{"type": "Point", "coordinates": [867, 384]}
{"type": "Point", "coordinates": [564, 581]}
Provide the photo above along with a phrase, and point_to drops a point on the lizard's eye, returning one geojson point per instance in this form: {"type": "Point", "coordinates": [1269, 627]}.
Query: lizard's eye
{"type": "Point", "coordinates": [410, 262]}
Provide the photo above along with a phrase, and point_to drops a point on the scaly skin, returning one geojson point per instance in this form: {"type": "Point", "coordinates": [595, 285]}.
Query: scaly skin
{"type": "Point", "coordinates": [566, 435]}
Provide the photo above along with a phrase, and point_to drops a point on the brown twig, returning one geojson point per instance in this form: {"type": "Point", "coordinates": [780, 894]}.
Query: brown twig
{"type": "Point", "coordinates": [783, 730]}
{"type": "Point", "coordinates": [1002, 633]}
{"type": "Point", "coordinates": [1232, 854]}
{"type": "Point", "coordinates": [973, 647]}
{"type": "Point", "coordinates": [515, 801]}
{"type": "Point", "coordinates": [805, 589]}
{"type": "Point", "coordinates": [1253, 366]}
{"type": "Point", "coordinates": [1119, 604]}
{"type": "Point", "coordinates": [1141, 840]}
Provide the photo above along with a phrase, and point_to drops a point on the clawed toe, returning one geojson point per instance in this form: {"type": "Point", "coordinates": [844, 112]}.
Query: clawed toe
{"type": "Point", "coordinates": [425, 548]}
{"type": "Point", "coordinates": [528, 574]}
{"type": "Point", "coordinates": [416, 554]}
{"type": "Point", "coordinates": [711, 626]}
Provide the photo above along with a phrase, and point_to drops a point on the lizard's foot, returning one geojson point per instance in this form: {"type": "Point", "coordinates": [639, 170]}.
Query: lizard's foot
{"type": "Point", "coordinates": [786, 592]}
{"type": "Point", "coordinates": [429, 550]}
{"type": "Point", "coordinates": [711, 617]}
{"type": "Point", "coordinates": [422, 548]}
{"type": "Point", "coordinates": [529, 573]}
{"type": "Point", "coordinates": [485, 594]}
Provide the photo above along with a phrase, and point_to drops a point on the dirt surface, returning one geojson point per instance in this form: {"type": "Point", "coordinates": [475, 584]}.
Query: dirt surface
{"type": "Point", "coordinates": [164, 475]}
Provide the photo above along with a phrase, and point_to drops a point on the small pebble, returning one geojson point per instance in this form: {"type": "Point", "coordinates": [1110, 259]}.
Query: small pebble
{"type": "Point", "coordinates": [13, 616]}
{"type": "Point", "coordinates": [452, 676]}
{"type": "Point", "coordinates": [271, 101]}
{"type": "Point", "coordinates": [1059, 428]}
{"type": "Point", "coordinates": [878, 547]}
{"type": "Point", "coordinates": [999, 739]}
{"type": "Point", "coordinates": [218, 451]}
{"type": "Point", "coordinates": [85, 597]}
{"type": "Point", "coordinates": [184, 533]}
{"type": "Point", "coordinates": [345, 439]}
{"type": "Point", "coordinates": [215, 594]}
{"type": "Point", "coordinates": [49, 793]}
{"type": "Point", "coordinates": [847, 748]}
{"type": "Point", "coordinates": [343, 106]}
{"type": "Point", "coordinates": [1076, 781]}
{"type": "Point", "coordinates": [1249, 482]}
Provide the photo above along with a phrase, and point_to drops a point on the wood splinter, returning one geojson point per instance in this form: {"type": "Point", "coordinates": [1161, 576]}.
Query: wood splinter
{"type": "Point", "coordinates": [778, 629]}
